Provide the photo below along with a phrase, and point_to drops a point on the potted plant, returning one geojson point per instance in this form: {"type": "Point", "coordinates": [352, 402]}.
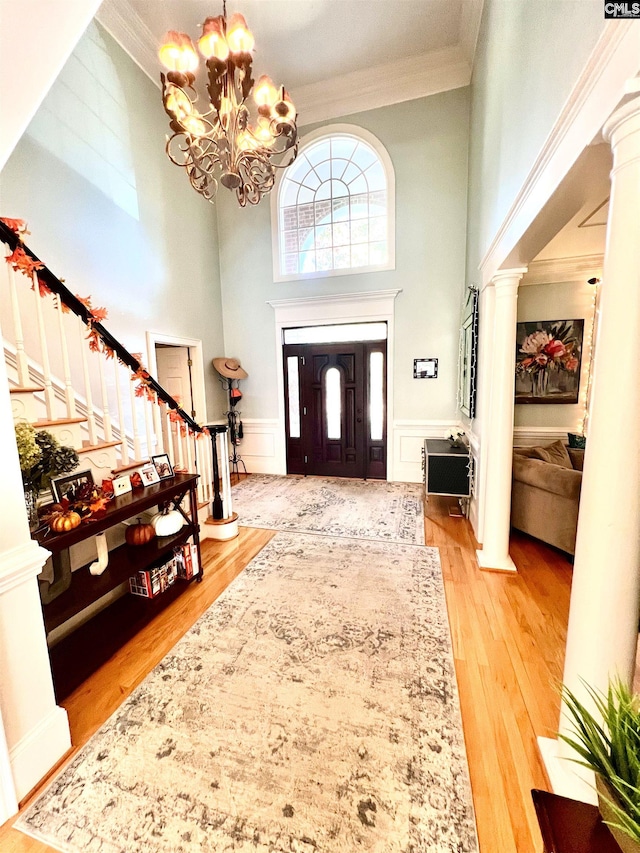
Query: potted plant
{"type": "Point", "coordinates": [41, 458]}
{"type": "Point", "coordinates": [608, 742]}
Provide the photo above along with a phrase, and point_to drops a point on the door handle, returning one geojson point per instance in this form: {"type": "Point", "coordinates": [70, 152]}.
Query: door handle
{"type": "Point", "coordinates": [359, 420]}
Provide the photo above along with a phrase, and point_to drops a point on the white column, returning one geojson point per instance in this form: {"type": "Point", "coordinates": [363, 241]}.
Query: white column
{"type": "Point", "coordinates": [485, 372]}
{"type": "Point", "coordinates": [497, 498]}
{"type": "Point", "coordinates": [36, 731]}
{"type": "Point", "coordinates": [605, 592]}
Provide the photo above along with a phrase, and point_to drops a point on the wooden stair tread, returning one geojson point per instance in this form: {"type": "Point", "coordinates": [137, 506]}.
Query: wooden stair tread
{"type": "Point", "coordinates": [101, 445]}
{"type": "Point", "coordinates": [232, 517]}
{"type": "Point", "coordinates": [58, 422]}
{"type": "Point", "coordinates": [25, 389]}
{"type": "Point", "coordinates": [137, 463]}
{"type": "Point", "coordinates": [202, 504]}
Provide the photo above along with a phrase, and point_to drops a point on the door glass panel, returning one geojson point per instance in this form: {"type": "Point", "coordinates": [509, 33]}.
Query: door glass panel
{"type": "Point", "coordinates": [293, 385]}
{"type": "Point", "coordinates": [336, 334]}
{"type": "Point", "coordinates": [333, 402]}
{"type": "Point", "coordinates": [376, 406]}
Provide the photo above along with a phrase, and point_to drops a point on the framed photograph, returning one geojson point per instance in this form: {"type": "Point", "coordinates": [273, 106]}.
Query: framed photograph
{"type": "Point", "coordinates": [548, 360]}
{"type": "Point", "coordinates": [162, 466]}
{"type": "Point", "coordinates": [149, 475]}
{"type": "Point", "coordinates": [72, 486]}
{"type": "Point", "coordinates": [122, 485]}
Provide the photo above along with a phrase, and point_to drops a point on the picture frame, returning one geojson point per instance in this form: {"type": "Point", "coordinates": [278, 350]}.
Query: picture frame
{"type": "Point", "coordinates": [149, 475]}
{"type": "Point", "coordinates": [163, 466]}
{"type": "Point", "coordinates": [548, 361]}
{"type": "Point", "coordinates": [467, 357]}
{"type": "Point", "coordinates": [122, 485]}
{"type": "Point", "coordinates": [68, 486]}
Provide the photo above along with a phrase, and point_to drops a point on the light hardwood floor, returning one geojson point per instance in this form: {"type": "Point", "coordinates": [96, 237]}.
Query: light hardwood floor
{"type": "Point", "coordinates": [508, 637]}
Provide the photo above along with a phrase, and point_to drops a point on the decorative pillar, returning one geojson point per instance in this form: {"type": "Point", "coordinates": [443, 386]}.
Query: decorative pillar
{"type": "Point", "coordinates": [36, 731]}
{"type": "Point", "coordinates": [605, 593]}
{"type": "Point", "coordinates": [485, 372]}
{"type": "Point", "coordinates": [499, 460]}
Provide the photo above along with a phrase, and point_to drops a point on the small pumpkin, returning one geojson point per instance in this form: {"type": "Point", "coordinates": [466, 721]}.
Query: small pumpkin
{"type": "Point", "coordinates": [168, 522]}
{"type": "Point", "coordinates": [139, 534]}
{"type": "Point", "coordinates": [64, 521]}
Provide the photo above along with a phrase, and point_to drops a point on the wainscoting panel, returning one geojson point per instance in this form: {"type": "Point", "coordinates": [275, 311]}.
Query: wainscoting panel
{"type": "Point", "coordinates": [528, 436]}
{"type": "Point", "coordinates": [408, 439]}
{"type": "Point", "coordinates": [258, 447]}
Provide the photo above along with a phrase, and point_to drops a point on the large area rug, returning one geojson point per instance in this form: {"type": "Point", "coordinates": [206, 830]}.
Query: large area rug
{"type": "Point", "coordinates": [312, 709]}
{"type": "Point", "coordinates": [358, 509]}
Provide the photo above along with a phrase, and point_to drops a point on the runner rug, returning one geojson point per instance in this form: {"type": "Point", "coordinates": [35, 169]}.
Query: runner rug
{"type": "Point", "coordinates": [312, 709]}
{"type": "Point", "coordinates": [359, 509]}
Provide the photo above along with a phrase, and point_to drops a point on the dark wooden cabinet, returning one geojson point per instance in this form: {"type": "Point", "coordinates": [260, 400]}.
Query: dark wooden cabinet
{"type": "Point", "coordinates": [568, 826]}
{"type": "Point", "coordinates": [81, 652]}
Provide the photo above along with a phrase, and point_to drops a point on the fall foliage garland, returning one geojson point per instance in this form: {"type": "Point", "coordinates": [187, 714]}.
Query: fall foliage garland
{"type": "Point", "coordinates": [20, 261]}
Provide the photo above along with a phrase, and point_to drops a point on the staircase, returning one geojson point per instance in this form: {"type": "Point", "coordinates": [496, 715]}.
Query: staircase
{"type": "Point", "coordinates": [69, 375]}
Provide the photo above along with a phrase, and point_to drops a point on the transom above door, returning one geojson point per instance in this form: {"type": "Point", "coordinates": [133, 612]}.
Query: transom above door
{"type": "Point", "coordinates": [336, 402]}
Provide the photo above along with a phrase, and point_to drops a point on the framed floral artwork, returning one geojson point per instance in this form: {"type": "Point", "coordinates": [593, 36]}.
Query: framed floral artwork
{"type": "Point", "coordinates": [548, 359]}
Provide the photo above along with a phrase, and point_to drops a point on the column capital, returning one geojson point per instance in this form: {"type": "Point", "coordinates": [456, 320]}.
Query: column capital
{"type": "Point", "coordinates": [627, 110]}
{"type": "Point", "coordinates": [503, 278]}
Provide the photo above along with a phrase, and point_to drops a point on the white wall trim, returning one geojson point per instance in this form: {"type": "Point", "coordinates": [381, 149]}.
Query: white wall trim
{"type": "Point", "coordinates": [259, 447]}
{"type": "Point", "coordinates": [554, 270]}
{"type": "Point", "coordinates": [408, 441]}
{"type": "Point", "coordinates": [531, 435]}
{"type": "Point", "coordinates": [8, 799]}
{"type": "Point", "coordinates": [124, 24]}
{"type": "Point", "coordinates": [39, 750]}
{"type": "Point", "coordinates": [197, 367]}
{"type": "Point", "coordinates": [404, 79]}
{"type": "Point", "coordinates": [614, 59]}
{"type": "Point", "coordinates": [20, 564]}
{"type": "Point", "coordinates": [368, 306]}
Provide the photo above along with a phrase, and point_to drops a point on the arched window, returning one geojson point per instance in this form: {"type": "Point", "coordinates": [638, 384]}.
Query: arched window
{"type": "Point", "coordinates": [334, 207]}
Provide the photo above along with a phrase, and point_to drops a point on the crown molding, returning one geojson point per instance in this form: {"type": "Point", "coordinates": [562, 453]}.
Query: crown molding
{"type": "Point", "coordinates": [123, 23]}
{"type": "Point", "coordinates": [598, 90]}
{"type": "Point", "coordinates": [554, 270]}
{"type": "Point", "coordinates": [392, 83]}
{"type": "Point", "coordinates": [329, 298]}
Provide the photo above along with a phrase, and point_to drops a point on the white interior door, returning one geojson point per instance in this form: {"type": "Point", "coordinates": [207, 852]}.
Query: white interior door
{"type": "Point", "coordinates": [173, 366]}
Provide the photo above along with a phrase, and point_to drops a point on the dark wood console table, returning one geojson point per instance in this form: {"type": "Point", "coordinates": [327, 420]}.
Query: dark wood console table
{"type": "Point", "coordinates": [80, 653]}
{"type": "Point", "coordinates": [569, 826]}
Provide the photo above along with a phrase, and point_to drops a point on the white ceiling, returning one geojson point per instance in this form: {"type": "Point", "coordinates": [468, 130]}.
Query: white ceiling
{"type": "Point", "coordinates": [334, 56]}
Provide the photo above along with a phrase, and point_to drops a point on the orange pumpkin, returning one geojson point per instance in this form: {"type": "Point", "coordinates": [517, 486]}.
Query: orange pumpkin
{"type": "Point", "coordinates": [64, 521]}
{"type": "Point", "coordinates": [139, 534]}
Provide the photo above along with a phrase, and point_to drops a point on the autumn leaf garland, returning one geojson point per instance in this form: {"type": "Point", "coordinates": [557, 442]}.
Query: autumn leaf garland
{"type": "Point", "coordinates": [20, 261]}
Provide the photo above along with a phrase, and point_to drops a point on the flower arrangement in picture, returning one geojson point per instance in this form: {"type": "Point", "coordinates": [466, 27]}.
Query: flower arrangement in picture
{"type": "Point", "coordinates": [546, 350]}
{"type": "Point", "coordinates": [42, 457]}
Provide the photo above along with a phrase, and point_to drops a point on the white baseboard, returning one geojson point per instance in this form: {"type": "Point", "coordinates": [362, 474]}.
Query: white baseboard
{"type": "Point", "coordinates": [39, 750]}
{"type": "Point", "coordinates": [408, 441]}
{"type": "Point", "coordinates": [567, 778]}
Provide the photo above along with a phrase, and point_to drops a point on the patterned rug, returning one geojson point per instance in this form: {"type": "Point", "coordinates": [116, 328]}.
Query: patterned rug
{"type": "Point", "coordinates": [358, 509]}
{"type": "Point", "coordinates": [313, 709]}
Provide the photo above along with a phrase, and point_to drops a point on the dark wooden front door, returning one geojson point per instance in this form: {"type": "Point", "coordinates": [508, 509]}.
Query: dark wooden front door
{"type": "Point", "coordinates": [328, 414]}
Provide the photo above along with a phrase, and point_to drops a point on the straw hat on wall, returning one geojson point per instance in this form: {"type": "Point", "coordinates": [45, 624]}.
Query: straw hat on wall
{"type": "Point", "coordinates": [229, 368]}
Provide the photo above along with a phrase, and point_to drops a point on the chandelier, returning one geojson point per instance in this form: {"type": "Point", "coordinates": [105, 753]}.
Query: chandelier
{"type": "Point", "coordinates": [223, 143]}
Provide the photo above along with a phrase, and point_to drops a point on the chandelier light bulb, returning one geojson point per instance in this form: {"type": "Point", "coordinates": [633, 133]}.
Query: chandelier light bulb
{"type": "Point", "coordinates": [178, 53]}
{"type": "Point", "coordinates": [212, 42]}
{"type": "Point", "coordinates": [239, 37]}
{"type": "Point", "coordinates": [265, 93]}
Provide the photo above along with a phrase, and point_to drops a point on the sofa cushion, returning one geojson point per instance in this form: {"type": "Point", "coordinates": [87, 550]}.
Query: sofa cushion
{"type": "Point", "coordinates": [555, 453]}
{"type": "Point", "coordinates": [547, 477]}
{"type": "Point", "coordinates": [577, 458]}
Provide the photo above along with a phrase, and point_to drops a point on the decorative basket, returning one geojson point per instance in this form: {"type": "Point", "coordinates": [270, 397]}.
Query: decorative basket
{"type": "Point", "coordinates": [605, 795]}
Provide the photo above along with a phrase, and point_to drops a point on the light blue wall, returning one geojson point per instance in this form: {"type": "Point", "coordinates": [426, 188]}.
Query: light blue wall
{"type": "Point", "coordinates": [530, 54]}
{"type": "Point", "coordinates": [109, 213]}
{"type": "Point", "coordinates": [427, 142]}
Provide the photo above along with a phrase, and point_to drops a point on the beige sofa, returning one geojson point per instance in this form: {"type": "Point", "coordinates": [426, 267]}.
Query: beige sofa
{"type": "Point", "coordinates": [546, 493]}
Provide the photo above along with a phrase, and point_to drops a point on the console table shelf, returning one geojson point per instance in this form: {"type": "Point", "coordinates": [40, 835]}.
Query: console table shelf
{"type": "Point", "coordinates": [88, 646]}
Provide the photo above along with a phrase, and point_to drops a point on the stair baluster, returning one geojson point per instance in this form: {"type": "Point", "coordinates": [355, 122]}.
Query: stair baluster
{"type": "Point", "coordinates": [49, 395]}
{"type": "Point", "coordinates": [124, 447]}
{"type": "Point", "coordinates": [86, 376]}
{"type": "Point", "coordinates": [137, 448]}
{"type": "Point", "coordinates": [69, 395]}
{"type": "Point", "coordinates": [21, 356]}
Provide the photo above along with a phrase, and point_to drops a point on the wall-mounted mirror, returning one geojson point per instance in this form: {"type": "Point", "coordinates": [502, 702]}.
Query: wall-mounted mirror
{"type": "Point", "coordinates": [468, 353]}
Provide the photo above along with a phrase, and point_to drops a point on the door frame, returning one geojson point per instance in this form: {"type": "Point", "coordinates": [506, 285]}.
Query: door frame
{"type": "Point", "coordinates": [366, 307]}
{"type": "Point", "coordinates": [197, 368]}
